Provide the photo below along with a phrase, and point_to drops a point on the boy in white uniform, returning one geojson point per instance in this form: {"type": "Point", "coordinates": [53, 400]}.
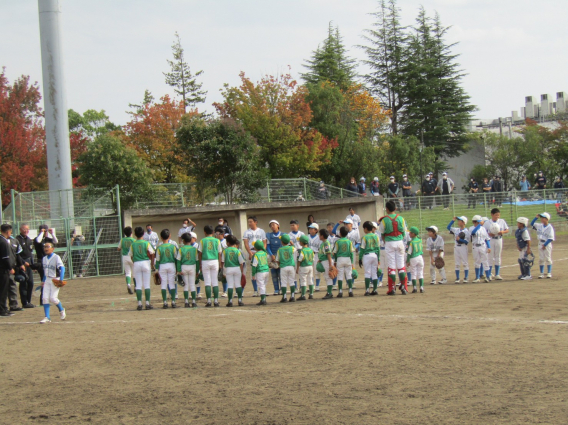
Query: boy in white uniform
{"type": "Point", "coordinates": [295, 235]}
{"type": "Point", "coordinates": [461, 236]}
{"type": "Point", "coordinates": [545, 236]}
{"type": "Point", "coordinates": [415, 260]}
{"type": "Point", "coordinates": [52, 266]}
{"type": "Point", "coordinates": [250, 236]}
{"type": "Point", "coordinates": [124, 247]}
{"type": "Point", "coordinates": [435, 245]}
{"type": "Point", "coordinates": [480, 248]}
{"type": "Point", "coordinates": [496, 228]}
{"type": "Point", "coordinates": [355, 219]}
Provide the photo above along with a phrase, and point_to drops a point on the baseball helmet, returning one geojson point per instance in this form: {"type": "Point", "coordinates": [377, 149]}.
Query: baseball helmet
{"type": "Point", "coordinates": [523, 220]}
{"type": "Point", "coordinates": [354, 274]}
{"type": "Point", "coordinates": [259, 245]}
{"type": "Point", "coordinates": [432, 228]}
{"type": "Point", "coordinates": [528, 260]}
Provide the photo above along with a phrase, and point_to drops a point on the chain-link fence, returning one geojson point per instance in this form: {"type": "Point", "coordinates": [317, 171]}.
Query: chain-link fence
{"type": "Point", "coordinates": [424, 211]}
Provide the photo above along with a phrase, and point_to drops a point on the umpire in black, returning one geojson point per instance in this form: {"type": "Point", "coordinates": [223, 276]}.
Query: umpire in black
{"type": "Point", "coordinates": [27, 255]}
{"type": "Point", "coordinates": [7, 264]}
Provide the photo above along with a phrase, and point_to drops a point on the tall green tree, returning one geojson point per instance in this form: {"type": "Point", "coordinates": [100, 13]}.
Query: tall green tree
{"type": "Point", "coordinates": [181, 78]}
{"type": "Point", "coordinates": [91, 123]}
{"type": "Point", "coordinates": [139, 108]}
{"type": "Point", "coordinates": [221, 153]}
{"type": "Point", "coordinates": [386, 54]}
{"type": "Point", "coordinates": [330, 62]}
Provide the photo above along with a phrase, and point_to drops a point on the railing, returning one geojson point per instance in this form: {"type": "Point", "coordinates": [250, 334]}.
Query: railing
{"type": "Point", "coordinates": [424, 211]}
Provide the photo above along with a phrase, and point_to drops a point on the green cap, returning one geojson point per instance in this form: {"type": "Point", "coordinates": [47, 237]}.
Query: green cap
{"type": "Point", "coordinates": [285, 239]}
{"type": "Point", "coordinates": [259, 245]}
{"type": "Point", "coordinates": [304, 239]}
{"type": "Point", "coordinates": [414, 230]}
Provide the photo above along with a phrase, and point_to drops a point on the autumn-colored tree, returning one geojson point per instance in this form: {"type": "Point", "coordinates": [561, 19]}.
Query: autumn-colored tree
{"type": "Point", "coordinates": [22, 137]}
{"type": "Point", "coordinates": [152, 133]}
{"type": "Point", "coordinates": [275, 112]}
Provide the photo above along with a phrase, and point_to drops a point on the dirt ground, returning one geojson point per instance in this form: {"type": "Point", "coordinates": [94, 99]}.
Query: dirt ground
{"type": "Point", "coordinates": [478, 353]}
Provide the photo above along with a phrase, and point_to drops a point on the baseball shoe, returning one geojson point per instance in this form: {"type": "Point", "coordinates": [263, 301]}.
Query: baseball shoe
{"type": "Point", "coordinates": [317, 289]}
{"type": "Point", "coordinates": [62, 314]}
{"type": "Point", "coordinates": [465, 281]}
{"type": "Point", "coordinates": [391, 292]}
{"type": "Point", "coordinates": [310, 297]}
{"type": "Point", "coordinates": [241, 304]}
{"type": "Point", "coordinates": [292, 299]}
{"type": "Point", "coordinates": [173, 304]}
{"type": "Point", "coordinates": [230, 304]}
{"type": "Point", "coordinates": [340, 295]}
{"type": "Point", "coordinates": [327, 297]}
{"type": "Point", "coordinates": [208, 304]}
{"type": "Point", "coordinates": [261, 302]}
{"type": "Point", "coordinates": [165, 305]}
{"type": "Point", "coordinates": [45, 320]}
{"type": "Point", "coordinates": [498, 277]}
{"type": "Point", "coordinates": [334, 288]}
{"type": "Point", "coordinates": [187, 304]}
{"type": "Point", "coordinates": [414, 291]}
{"type": "Point", "coordinates": [149, 307]}
{"type": "Point", "coordinates": [526, 278]}
{"type": "Point", "coordinates": [367, 293]}
{"type": "Point", "coordinates": [404, 291]}
{"type": "Point", "coordinates": [194, 305]}
{"type": "Point", "coordinates": [216, 304]}
{"type": "Point", "coordinates": [486, 279]}
{"type": "Point", "coordinates": [549, 275]}
{"type": "Point", "coordinates": [224, 295]}
{"type": "Point", "coordinates": [29, 305]}
{"type": "Point", "coordinates": [476, 281]}
{"type": "Point", "coordinates": [520, 277]}
{"type": "Point", "coordinates": [432, 283]}
{"type": "Point", "coordinates": [351, 294]}
{"type": "Point", "coordinates": [457, 281]}
{"type": "Point", "coordinates": [255, 294]}
{"type": "Point", "coordinates": [276, 293]}
{"type": "Point", "coordinates": [541, 276]}
{"type": "Point", "coordinates": [139, 308]}
{"type": "Point", "coordinates": [443, 281]}
{"type": "Point", "coordinates": [302, 298]}
{"type": "Point", "coordinates": [374, 293]}
{"type": "Point", "coordinates": [284, 300]}
{"type": "Point", "coordinates": [380, 284]}
{"type": "Point", "coordinates": [130, 290]}
{"type": "Point", "coordinates": [16, 308]}
{"type": "Point", "coordinates": [199, 296]}
{"type": "Point", "coordinates": [421, 289]}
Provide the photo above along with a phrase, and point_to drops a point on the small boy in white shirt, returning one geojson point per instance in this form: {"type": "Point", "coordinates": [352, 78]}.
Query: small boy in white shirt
{"type": "Point", "coordinates": [52, 267]}
{"type": "Point", "coordinates": [435, 245]}
{"type": "Point", "coordinates": [460, 246]}
{"type": "Point", "coordinates": [545, 236]}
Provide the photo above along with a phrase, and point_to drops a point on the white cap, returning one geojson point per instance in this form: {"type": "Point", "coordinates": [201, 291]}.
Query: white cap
{"type": "Point", "coordinates": [476, 218]}
{"type": "Point", "coordinates": [273, 221]}
{"type": "Point", "coordinates": [193, 235]}
{"type": "Point", "coordinates": [444, 173]}
{"type": "Point", "coordinates": [314, 226]}
{"type": "Point", "coordinates": [392, 177]}
{"type": "Point", "coordinates": [347, 221]}
{"type": "Point", "coordinates": [484, 219]}
{"type": "Point", "coordinates": [463, 218]}
{"type": "Point", "coordinates": [362, 178]}
{"type": "Point", "coordinates": [376, 179]}
{"type": "Point", "coordinates": [434, 228]}
{"type": "Point", "coordinates": [545, 215]}
{"type": "Point", "coordinates": [375, 225]}
{"type": "Point", "coordinates": [523, 220]}
{"type": "Point", "coordinates": [404, 175]}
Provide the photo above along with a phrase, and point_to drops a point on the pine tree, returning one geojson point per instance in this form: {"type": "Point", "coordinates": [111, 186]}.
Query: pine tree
{"type": "Point", "coordinates": [330, 62]}
{"type": "Point", "coordinates": [138, 108]}
{"type": "Point", "coordinates": [386, 54]}
{"type": "Point", "coordinates": [182, 80]}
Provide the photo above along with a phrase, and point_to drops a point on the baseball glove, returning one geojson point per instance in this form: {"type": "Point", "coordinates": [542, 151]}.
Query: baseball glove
{"type": "Point", "coordinates": [243, 281]}
{"type": "Point", "coordinates": [273, 264]}
{"type": "Point", "coordinates": [157, 279]}
{"type": "Point", "coordinates": [439, 263]}
{"type": "Point", "coordinates": [180, 280]}
{"type": "Point", "coordinates": [461, 235]}
{"type": "Point", "coordinates": [59, 283]}
{"type": "Point", "coordinates": [333, 273]}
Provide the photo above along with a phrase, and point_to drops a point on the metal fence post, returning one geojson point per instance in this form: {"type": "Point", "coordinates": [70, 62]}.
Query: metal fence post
{"type": "Point", "coordinates": [305, 191]}
{"type": "Point", "coordinates": [13, 205]}
{"type": "Point", "coordinates": [453, 205]}
{"type": "Point", "coordinates": [96, 247]}
{"type": "Point", "coordinates": [67, 228]}
{"type": "Point", "coordinates": [420, 212]}
{"type": "Point", "coordinates": [182, 198]}
{"type": "Point", "coordinates": [544, 199]}
{"type": "Point", "coordinates": [341, 193]}
{"type": "Point", "coordinates": [268, 189]}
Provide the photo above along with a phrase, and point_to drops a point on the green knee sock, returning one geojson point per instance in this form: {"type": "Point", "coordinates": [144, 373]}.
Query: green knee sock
{"type": "Point", "coordinates": [262, 297]}
{"type": "Point", "coordinates": [311, 289]}
{"type": "Point", "coordinates": [292, 291]}
{"type": "Point", "coordinates": [164, 295]}
{"type": "Point", "coordinates": [230, 294]}
{"type": "Point", "coordinates": [208, 293]}
{"type": "Point", "coordinates": [139, 295]}
{"type": "Point", "coordinates": [414, 283]}
{"type": "Point", "coordinates": [186, 295]}
{"type": "Point", "coordinates": [421, 283]}
{"type": "Point", "coordinates": [329, 288]}
{"type": "Point", "coordinates": [350, 283]}
{"type": "Point", "coordinates": [284, 292]}
{"type": "Point", "coordinates": [402, 276]}
{"type": "Point", "coordinates": [147, 294]}
{"type": "Point", "coordinates": [173, 294]}
{"type": "Point", "coordinates": [340, 285]}
{"type": "Point", "coordinates": [303, 290]}
{"type": "Point", "coordinates": [127, 280]}
{"type": "Point", "coordinates": [216, 292]}
{"type": "Point", "coordinates": [367, 283]}
{"type": "Point", "coordinates": [240, 293]}
{"type": "Point", "coordinates": [193, 295]}
{"type": "Point", "coordinates": [375, 284]}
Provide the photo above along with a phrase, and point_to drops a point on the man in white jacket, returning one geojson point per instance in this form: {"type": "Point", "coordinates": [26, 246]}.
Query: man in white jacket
{"type": "Point", "coordinates": [445, 187]}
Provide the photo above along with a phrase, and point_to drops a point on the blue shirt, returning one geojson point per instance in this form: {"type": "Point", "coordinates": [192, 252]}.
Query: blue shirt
{"type": "Point", "coordinates": [273, 242]}
{"type": "Point", "coordinates": [525, 185]}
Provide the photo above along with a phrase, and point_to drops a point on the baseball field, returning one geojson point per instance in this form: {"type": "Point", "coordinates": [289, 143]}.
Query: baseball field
{"type": "Point", "coordinates": [482, 353]}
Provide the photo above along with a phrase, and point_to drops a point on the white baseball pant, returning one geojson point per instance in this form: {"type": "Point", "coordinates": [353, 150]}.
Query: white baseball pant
{"type": "Point", "coordinates": [325, 274]}
{"type": "Point", "coordinates": [50, 292]}
{"type": "Point", "coordinates": [142, 272]}
{"type": "Point", "coordinates": [233, 275]}
{"type": "Point", "coordinates": [417, 267]}
{"type": "Point", "coordinates": [394, 251]}
{"type": "Point", "coordinates": [188, 276]}
{"type": "Point", "coordinates": [544, 255]}
{"type": "Point", "coordinates": [371, 265]}
{"type": "Point", "coordinates": [287, 276]}
{"type": "Point", "coordinates": [433, 267]}
{"type": "Point", "coordinates": [460, 257]}
{"type": "Point", "coordinates": [210, 269]}
{"type": "Point", "coordinates": [344, 269]}
{"type": "Point", "coordinates": [128, 265]}
{"type": "Point", "coordinates": [261, 279]}
{"type": "Point", "coordinates": [306, 275]}
{"type": "Point", "coordinates": [495, 254]}
{"type": "Point", "coordinates": [480, 256]}
{"type": "Point", "coordinates": [168, 274]}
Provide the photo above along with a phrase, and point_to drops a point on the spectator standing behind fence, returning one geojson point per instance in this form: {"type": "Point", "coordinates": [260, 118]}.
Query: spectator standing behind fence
{"type": "Point", "coordinates": [77, 255]}
{"type": "Point", "coordinates": [352, 186]}
{"type": "Point", "coordinates": [525, 186]}
{"type": "Point", "coordinates": [558, 185]}
{"type": "Point", "coordinates": [375, 187]}
{"type": "Point", "coordinates": [406, 191]}
{"type": "Point", "coordinates": [445, 187]}
{"type": "Point", "coordinates": [311, 219]}
{"type": "Point", "coordinates": [428, 189]}
{"type": "Point", "coordinates": [540, 182]}
{"type": "Point", "coordinates": [497, 189]}
{"type": "Point", "coordinates": [486, 188]}
{"type": "Point", "coordinates": [322, 191]}
{"type": "Point", "coordinates": [362, 187]}
{"type": "Point", "coordinates": [473, 191]}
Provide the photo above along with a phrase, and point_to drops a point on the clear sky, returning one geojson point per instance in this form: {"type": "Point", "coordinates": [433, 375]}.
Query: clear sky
{"type": "Point", "coordinates": [115, 49]}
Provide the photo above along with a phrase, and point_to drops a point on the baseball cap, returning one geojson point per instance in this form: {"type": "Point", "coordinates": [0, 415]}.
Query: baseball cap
{"type": "Point", "coordinates": [463, 218]}
{"type": "Point", "coordinates": [432, 228]}
{"type": "Point", "coordinates": [362, 178]}
{"type": "Point", "coordinates": [376, 179]}
{"type": "Point", "coordinates": [314, 226]}
{"type": "Point", "coordinates": [193, 235]}
{"type": "Point", "coordinates": [444, 173]}
{"type": "Point", "coordinates": [404, 175]}
{"type": "Point", "coordinates": [523, 220]}
{"type": "Point", "coordinates": [392, 177]}
{"type": "Point", "coordinates": [545, 215]}
{"type": "Point", "coordinates": [273, 221]}
{"type": "Point", "coordinates": [347, 221]}
{"type": "Point", "coordinates": [484, 219]}
{"type": "Point", "coordinates": [285, 239]}
{"type": "Point", "coordinates": [304, 239]}
{"type": "Point", "coordinates": [431, 173]}
{"type": "Point", "coordinates": [414, 230]}
{"type": "Point", "coordinates": [259, 245]}
{"type": "Point", "coordinates": [476, 218]}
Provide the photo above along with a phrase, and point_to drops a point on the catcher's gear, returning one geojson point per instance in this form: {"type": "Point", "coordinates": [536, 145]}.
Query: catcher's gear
{"type": "Point", "coordinates": [59, 283]}
{"type": "Point", "coordinates": [220, 275]}
{"type": "Point", "coordinates": [320, 268]}
{"type": "Point", "coordinates": [528, 260]}
{"type": "Point", "coordinates": [461, 235]}
{"type": "Point", "coordinates": [354, 274]}
{"type": "Point", "coordinates": [360, 262]}
{"type": "Point", "coordinates": [439, 263]}
{"type": "Point", "coordinates": [333, 272]}
{"type": "Point", "coordinates": [243, 281]}
{"type": "Point", "coordinates": [157, 279]}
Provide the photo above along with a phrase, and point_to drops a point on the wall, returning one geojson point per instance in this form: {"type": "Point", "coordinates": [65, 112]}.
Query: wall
{"type": "Point", "coordinates": [460, 167]}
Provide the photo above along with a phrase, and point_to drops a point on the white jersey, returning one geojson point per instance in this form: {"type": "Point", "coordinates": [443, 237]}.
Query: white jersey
{"type": "Point", "coordinates": [223, 244]}
{"type": "Point", "coordinates": [51, 265]}
{"type": "Point", "coordinates": [502, 225]}
{"type": "Point", "coordinates": [480, 237]}
{"type": "Point", "coordinates": [183, 230]}
{"type": "Point", "coordinates": [381, 241]}
{"type": "Point", "coordinates": [315, 243]}
{"type": "Point", "coordinates": [152, 238]}
{"type": "Point", "coordinates": [254, 235]}
{"type": "Point", "coordinates": [354, 237]}
{"type": "Point", "coordinates": [355, 219]}
{"type": "Point", "coordinates": [295, 239]}
{"type": "Point", "coordinates": [543, 233]}
{"type": "Point", "coordinates": [174, 243]}
{"type": "Point", "coordinates": [332, 239]}
{"type": "Point", "coordinates": [456, 231]}
{"type": "Point", "coordinates": [435, 245]}
{"type": "Point", "coordinates": [406, 240]}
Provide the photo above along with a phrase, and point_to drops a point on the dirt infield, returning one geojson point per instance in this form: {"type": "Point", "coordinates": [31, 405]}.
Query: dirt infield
{"type": "Point", "coordinates": [477, 353]}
